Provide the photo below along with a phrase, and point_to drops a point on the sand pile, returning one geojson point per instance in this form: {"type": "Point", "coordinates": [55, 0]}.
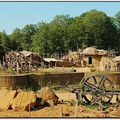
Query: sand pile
{"type": "Point", "coordinates": [6, 97]}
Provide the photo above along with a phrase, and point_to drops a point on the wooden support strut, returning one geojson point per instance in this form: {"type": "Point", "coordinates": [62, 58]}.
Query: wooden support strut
{"type": "Point", "coordinates": [19, 62]}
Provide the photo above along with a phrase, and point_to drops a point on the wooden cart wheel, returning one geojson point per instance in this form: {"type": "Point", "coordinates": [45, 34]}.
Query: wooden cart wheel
{"type": "Point", "coordinates": [95, 89]}
{"type": "Point", "coordinates": [106, 85]}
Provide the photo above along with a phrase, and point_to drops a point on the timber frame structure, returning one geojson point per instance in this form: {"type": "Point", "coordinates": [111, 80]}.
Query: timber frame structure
{"type": "Point", "coordinates": [20, 63]}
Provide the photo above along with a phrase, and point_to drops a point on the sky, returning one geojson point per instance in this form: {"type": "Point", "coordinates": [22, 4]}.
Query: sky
{"type": "Point", "coordinates": [18, 14]}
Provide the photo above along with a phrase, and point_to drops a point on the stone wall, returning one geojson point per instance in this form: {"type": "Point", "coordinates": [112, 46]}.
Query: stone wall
{"type": "Point", "coordinates": [115, 77]}
{"type": "Point", "coordinates": [33, 81]}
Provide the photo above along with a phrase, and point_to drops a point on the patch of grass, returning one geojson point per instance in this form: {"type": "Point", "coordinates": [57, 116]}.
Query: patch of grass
{"type": "Point", "coordinates": [11, 71]}
{"type": "Point", "coordinates": [94, 107]}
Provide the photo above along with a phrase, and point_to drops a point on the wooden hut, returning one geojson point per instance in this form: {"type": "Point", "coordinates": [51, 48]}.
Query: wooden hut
{"type": "Point", "coordinates": [97, 58]}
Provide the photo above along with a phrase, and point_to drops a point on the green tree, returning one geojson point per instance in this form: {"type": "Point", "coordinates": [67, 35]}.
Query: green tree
{"type": "Point", "coordinates": [50, 37]}
{"type": "Point", "coordinates": [16, 40]}
{"type": "Point", "coordinates": [99, 29]}
{"type": "Point", "coordinates": [92, 28]}
{"type": "Point", "coordinates": [27, 32]}
{"type": "Point", "coordinates": [41, 40]}
{"type": "Point", "coordinates": [117, 16]}
{"type": "Point", "coordinates": [58, 30]}
{"type": "Point", "coordinates": [4, 39]}
{"type": "Point", "coordinates": [117, 22]}
{"type": "Point", "coordinates": [75, 34]}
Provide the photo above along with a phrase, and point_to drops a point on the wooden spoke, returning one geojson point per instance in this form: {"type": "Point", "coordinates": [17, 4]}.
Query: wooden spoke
{"type": "Point", "coordinates": [96, 88]}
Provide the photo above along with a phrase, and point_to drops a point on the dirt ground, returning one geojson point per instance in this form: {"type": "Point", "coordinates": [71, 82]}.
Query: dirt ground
{"type": "Point", "coordinates": [63, 69]}
{"type": "Point", "coordinates": [68, 111]}
{"type": "Point", "coordinates": [65, 109]}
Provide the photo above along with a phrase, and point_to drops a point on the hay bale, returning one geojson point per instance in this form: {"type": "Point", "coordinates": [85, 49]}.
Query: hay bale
{"type": "Point", "coordinates": [48, 96]}
{"type": "Point", "coordinates": [6, 97]}
{"type": "Point", "coordinates": [23, 100]}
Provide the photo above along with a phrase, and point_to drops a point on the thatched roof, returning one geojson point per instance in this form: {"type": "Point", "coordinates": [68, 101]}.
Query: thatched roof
{"type": "Point", "coordinates": [28, 53]}
{"type": "Point", "coordinates": [90, 51]}
{"type": "Point", "coordinates": [103, 52]}
{"type": "Point", "coordinates": [94, 51]}
{"type": "Point", "coordinates": [116, 59]}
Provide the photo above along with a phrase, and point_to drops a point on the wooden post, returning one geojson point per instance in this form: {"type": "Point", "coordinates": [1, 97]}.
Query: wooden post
{"type": "Point", "coordinates": [30, 63]}
{"type": "Point", "coordinates": [61, 111]}
{"type": "Point", "coordinates": [117, 99]}
{"type": "Point", "coordinates": [17, 69]}
{"type": "Point", "coordinates": [29, 111]}
{"type": "Point", "coordinates": [76, 108]}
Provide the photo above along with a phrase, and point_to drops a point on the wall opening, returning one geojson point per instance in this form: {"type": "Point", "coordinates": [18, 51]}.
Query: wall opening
{"type": "Point", "coordinates": [90, 60]}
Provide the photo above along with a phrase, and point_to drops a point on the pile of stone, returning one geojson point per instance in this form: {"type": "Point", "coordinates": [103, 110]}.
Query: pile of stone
{"type": "Point", "coordinates": [26, 100]}
{"type": "Point", "coordinates": [6, 98]}
{"type": "Point", "coordinates": [48, 96]}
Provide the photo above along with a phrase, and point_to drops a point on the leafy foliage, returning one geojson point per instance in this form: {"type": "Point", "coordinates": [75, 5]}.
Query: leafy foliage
{"type": "Point", "coordinates": [63, 33]}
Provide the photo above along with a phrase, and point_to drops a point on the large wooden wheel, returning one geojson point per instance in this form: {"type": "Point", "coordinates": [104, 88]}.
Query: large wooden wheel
{"type": "Point", "coordinates": [95, 89]}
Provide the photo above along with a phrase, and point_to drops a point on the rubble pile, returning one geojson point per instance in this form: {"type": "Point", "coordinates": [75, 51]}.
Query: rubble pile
{"type": "Point", "coordinates": [48, 96]}
{"type": "Point", "coordinates": [6, 97]}
{"type": "Point", "coordinates": [26, 100]}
